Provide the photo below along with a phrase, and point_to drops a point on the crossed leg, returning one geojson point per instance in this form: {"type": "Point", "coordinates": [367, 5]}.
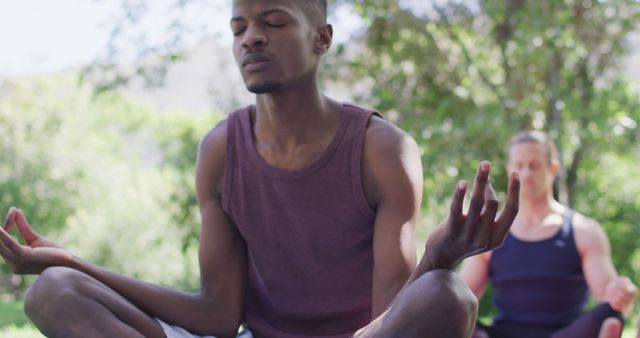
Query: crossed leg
{"type": "Point", "coordinates": [600, 322]}
{"type": "Point", "coordinates": [66, 303]}
{"type": "Point", "coordinates": [590, 323]}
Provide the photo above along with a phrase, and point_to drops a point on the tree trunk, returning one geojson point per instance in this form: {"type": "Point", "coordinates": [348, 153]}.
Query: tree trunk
{"type": "Point", "coordinates": [572, 175]}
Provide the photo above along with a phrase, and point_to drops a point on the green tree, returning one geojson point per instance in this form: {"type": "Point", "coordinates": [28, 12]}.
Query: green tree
{"type": "Point", "coordinates": [110, 179]}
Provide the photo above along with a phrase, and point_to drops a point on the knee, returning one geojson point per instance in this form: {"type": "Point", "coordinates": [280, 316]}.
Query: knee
{"type": "Point", "coordinates": [50, 290]}
{"type": "Point", "coordinates": [611, 328]}
{"type": "Point", "coordinates": [451, 303]}
{"type": "Point", "coordinates": [442, 303]}
{"type": "Point", "coordinates": [451, 293]}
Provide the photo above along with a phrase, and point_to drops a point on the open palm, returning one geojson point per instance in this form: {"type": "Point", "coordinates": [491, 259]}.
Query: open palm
{"type": "Point", "coordinates": [36, 254]}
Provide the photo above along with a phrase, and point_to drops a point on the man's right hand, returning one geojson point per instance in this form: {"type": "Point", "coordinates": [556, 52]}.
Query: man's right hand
{"type": "Point", "coordinates": [37, 254]}
{"type": "Point", "coordinates": [460, 235]}
{"type": "Point", "coordinates": [621, 293]}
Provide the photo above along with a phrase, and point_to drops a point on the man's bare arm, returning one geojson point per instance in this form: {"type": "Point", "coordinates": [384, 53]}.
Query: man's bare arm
{"type": "Point", "coordinates": [600, 274]}
{"type": "Point", "coordinates": [392, 176]}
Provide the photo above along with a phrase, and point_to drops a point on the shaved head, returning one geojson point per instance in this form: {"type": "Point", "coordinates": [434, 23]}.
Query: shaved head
{"type": "Point", "coordinates": [315, 10]}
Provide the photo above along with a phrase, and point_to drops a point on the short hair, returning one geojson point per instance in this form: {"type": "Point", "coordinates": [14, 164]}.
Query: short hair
{"type": "Point", "coordinates": [535, 136]}
{"type": "Point", "coordinates": [315, 10]}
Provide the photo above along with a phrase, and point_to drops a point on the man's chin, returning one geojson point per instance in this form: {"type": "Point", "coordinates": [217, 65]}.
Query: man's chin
{"type": "Point", "coordinates": [532, 192]}
{"type": "Point", "coordinates": [264, 88]}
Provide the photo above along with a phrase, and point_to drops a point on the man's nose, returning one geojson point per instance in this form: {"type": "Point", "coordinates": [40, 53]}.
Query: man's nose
{"type": "Point", "coordinates": [524, 172]}
{"type": "Point", "coordinates": [254, 36]}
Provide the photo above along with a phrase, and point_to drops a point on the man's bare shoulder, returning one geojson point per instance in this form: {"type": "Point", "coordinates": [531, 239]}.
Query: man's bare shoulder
{"type": "Point", "coordinates": [386, 141]}
{"type": "Point", "coordinates": [584, 223]}
{"type": "Point", "coordinates": [588, 232]}
{"type": "Point", "coordinates": [215, 139]}
{"type": "Point", "coordinates": [391, 163]}
{"type": "Point", "coordinates": [211, 161]}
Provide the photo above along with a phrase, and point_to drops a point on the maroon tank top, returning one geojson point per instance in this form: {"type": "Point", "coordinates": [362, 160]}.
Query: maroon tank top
{"type": "Point", "coordinates": [309, 233]}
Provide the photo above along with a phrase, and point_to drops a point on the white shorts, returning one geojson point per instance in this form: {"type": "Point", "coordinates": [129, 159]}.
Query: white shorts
{"type": "Point", "coordinates": [171, 331]}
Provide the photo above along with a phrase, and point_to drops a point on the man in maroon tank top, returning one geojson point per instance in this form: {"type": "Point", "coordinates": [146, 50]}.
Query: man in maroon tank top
{"type": "Point", "coordinates": [308, 212]}
{"type": "Point", "coordinates": [550, 259]}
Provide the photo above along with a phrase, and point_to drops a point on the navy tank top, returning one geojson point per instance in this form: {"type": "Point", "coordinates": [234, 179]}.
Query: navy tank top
{"type": "Point", "coordinates": [539, 282]}
{"type": "Point", "coordinates": [309, 233]}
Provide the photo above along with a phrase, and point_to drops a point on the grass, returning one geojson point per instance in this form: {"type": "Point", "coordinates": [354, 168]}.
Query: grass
{"type": "Point", "coordinates": [14, 323]}
{"type": "Point", "coordinates": [28, 331]}
{"type": "Point", "coordinates": [12, 314]}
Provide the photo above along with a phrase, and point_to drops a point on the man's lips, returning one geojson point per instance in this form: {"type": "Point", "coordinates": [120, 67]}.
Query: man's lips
{"type": "Point", "coordinates": [253, 59]}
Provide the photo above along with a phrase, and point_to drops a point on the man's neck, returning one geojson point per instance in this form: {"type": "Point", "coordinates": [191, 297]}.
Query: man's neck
{"type": "Point", "coordinates": [293, 115]}
{"type": "Point", "coordinates": [533, 210]}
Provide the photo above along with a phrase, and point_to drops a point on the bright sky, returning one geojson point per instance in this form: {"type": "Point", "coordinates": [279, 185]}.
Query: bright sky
{"type": "Point", "coordinates": [39, 36]}
{"type": "Point", "coordinates": [43, 36]}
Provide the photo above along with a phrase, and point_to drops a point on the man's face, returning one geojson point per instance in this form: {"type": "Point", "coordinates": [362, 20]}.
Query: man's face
{"type": "Point", "coordinates": [273, 43]}
{"type": "Point", "coordinates": [531, 161]}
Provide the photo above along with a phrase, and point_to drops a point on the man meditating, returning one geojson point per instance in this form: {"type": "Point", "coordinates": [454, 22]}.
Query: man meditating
{"type": "Point", "coordinates": [308, 212]}
{"type": "Point", "coordinates": [551, 258]}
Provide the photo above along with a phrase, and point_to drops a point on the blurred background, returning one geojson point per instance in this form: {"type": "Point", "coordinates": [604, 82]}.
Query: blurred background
{"type": "Point", "coordinates": [103, 102]}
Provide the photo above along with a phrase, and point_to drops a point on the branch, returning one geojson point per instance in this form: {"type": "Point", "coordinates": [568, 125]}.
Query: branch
{"type": "Point", "coordinates": [465, 51]}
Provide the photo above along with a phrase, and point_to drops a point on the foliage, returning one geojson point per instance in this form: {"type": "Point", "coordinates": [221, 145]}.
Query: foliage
{"type": "Point", "coordinates": [14, 323]}
{"type": "Point", "coordinates": [109, 179]}
{"type": "Point", "coordinates": [12, 314]}
{"type": "Point", "coordinates": [26, 173]}
{"type": "Point", "coordinates": [185, 21]}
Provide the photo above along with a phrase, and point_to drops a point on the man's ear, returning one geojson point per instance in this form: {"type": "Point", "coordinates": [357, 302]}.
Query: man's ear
{"type": "Point", "coordinates": [323, 39]}
{"type": "Point", "coordinates": [554, 167]}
